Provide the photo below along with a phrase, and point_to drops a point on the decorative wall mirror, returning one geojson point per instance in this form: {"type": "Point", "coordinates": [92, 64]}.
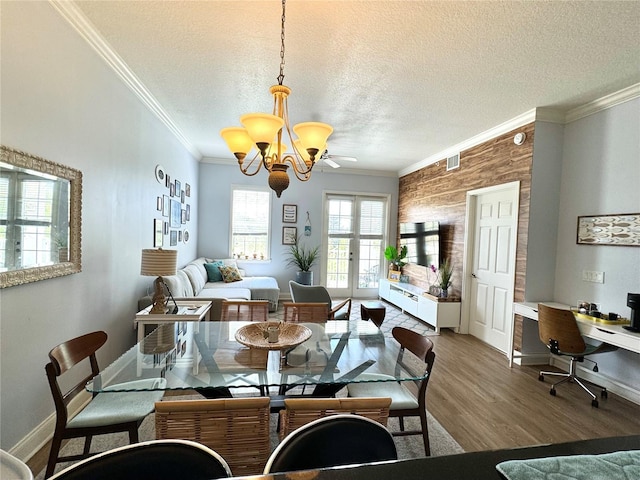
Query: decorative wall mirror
{"type": "Point", "coordinates": [40, 218]}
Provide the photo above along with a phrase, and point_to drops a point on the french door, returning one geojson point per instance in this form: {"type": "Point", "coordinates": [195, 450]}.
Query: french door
{"type": "Point", "coordinates": [355, 229]}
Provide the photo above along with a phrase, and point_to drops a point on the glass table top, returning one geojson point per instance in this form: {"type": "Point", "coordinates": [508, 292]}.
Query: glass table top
{"type": "Point", "coordinates": [206, 355]}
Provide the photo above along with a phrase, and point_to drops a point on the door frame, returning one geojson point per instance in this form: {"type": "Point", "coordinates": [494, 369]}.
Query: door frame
{"type": "Point", "coordinates": [469, 235]}
{"type": "Point", "coordinates": [387, 197]}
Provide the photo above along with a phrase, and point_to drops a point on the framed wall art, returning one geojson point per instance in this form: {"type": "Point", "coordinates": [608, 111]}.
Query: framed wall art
{"type": "Point", "coordinates": [165, 205]}
{"type": "Point", "coordinates": [175, 214]}
{"type": "Point", "coordinates": [289, 235]}
{"type": "Point", "coordinates": [289, 213]}
{"type": "Point", "coordinates": [173, 238]}
{"type": "Point", "coordinates": [157, 232]}
{"type": "Point", "coordinates": [615, 230]}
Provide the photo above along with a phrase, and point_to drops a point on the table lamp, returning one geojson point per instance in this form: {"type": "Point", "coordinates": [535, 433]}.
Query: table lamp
{"type": "Point", "coordinates": [158, 263]}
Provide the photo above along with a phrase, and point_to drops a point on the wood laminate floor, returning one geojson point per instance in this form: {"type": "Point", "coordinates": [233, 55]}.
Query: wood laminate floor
{"type": "Point", "coordinates": [486, 405]}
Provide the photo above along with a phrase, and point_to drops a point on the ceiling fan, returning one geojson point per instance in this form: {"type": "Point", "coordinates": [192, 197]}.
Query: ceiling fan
{"type": "Point", "coordinates": [330, 159]}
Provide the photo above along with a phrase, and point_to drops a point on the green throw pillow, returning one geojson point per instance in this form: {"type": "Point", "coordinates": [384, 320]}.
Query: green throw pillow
{"type": "Point", "coordinates": [213, 272]}
{"type": "Point", "coordinates": [230, 273]}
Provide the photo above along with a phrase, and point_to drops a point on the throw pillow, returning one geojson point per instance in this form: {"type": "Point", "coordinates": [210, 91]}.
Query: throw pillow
{"type": "Point", "coordinates": [230, 273]}
{"type": "Point", "coordinates": [213, 273]}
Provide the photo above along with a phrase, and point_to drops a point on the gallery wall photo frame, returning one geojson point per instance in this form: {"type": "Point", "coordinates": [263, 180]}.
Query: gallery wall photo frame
{"type": "Point", "coordinates": [158, 232]}
{"type": "Point", "coordinates": [175, 214]}
{"type": "Point", "coordinates": [622, 230]}
{"type": "Point", "coordinates": [289, 213]}
{"type": "Point", "coordinates": [289, 235]}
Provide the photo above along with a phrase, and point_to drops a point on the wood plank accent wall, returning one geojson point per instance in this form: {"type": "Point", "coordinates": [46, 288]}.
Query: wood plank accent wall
{"type": "Point", "coordinates": [432, 193]}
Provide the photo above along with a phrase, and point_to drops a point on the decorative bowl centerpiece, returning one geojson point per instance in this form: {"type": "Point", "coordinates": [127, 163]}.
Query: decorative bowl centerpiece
{"type": "Point", "coordinates": [255, 335]}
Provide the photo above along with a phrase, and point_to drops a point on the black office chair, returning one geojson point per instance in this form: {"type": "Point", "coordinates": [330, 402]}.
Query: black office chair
{"type": "Point", "coordinates": [332, 441]}
{"type": "Point", "coordinates": [559, 330]}
{"type": "Point", "coordinates": [157, 460]}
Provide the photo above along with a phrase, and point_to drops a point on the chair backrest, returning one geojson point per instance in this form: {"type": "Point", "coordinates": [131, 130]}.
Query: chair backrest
{"type": "Point", "coordinates": [300, 411]}
{"type": "Point", "coordinates": [422, 348]}
{"type": "Point", "coordinates": [236, 428]}
{"type": "Point", "coordinates": [332, 441]}
{"type": "Point", "coordinates": [560, 325]}
{"type": "Point", "coordinates": [305, 312]}
{"type": "Point", "coordinates": [309, 293]}
{"type": "Point", "coordinates": [251, 310]}
{"type": "Point", "coordinates": [159, 459]}
{"type": "Point", "coordinates": [63, 357]}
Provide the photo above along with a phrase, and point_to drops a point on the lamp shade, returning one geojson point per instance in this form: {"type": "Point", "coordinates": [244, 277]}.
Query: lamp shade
{"type": "Point", "coordinates": [158, 262]}
{"type": "Point", "coordinates": [237, 139]}
{"type": "Point", "coordinates": [261, 127]}
{"type": "Point", "coordinates": [313, 134]}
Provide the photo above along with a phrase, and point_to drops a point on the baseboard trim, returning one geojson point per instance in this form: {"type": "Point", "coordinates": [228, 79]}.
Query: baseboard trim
{"type": "Point", "coordinates": [612, 385]}
{"type": "Point", "coordinates": [37, 438]}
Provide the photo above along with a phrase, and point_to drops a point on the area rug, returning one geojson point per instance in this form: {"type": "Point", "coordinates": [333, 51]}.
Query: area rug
{"type": "Point", "coordinates": [408, 447]}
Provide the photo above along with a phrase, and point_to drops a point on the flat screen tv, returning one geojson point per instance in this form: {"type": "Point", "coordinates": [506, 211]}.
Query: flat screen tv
{"type": "Point", "coordinates": [422, 241]}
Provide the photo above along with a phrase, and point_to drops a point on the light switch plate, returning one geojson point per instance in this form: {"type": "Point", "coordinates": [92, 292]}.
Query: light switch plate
{"type": "Point", "coordinates": [591, 276]}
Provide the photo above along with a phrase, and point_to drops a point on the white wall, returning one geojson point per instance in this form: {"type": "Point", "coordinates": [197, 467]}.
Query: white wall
{"type": "Point", "coordinates": [61, 102]}
{"type": "Point", "coordinates": [215, 189]}
{"type": "Point", "coordinates": [601, 175]}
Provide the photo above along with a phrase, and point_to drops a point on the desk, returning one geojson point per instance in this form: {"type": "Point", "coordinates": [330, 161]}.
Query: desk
{"type": "Point", "coordinates": [211, 358]}
{"type": "Point", "coordinates": [612, 334]}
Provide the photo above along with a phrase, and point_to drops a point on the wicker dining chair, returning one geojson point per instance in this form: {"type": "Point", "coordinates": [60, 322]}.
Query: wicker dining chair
{"type": "Point", "coordinates": [305, 312]}
{"type": "Point", "coordinates": [245, 310]}
{"type": "Point", "coordinates": [300, 411]}
{"type": "Point", "coordinates": [236, 428]}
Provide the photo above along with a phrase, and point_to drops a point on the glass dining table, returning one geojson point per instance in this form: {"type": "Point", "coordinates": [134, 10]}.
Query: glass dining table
{"type": "Point", "coordinates": [205, 356]}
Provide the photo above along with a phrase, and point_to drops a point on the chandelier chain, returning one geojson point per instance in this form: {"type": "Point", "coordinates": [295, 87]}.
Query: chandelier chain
{"type": "Point", "coordinates": [281, 76]}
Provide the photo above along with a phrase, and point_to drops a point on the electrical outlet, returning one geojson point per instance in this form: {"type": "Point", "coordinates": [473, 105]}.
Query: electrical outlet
{"type": "Point", "coordinates": [591, 276]}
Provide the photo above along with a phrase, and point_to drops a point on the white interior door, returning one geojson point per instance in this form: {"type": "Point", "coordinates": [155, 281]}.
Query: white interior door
{"type": "Point", "coordinates": [495, 222]}
{"type": "Point", "coordinates": [355, 229]}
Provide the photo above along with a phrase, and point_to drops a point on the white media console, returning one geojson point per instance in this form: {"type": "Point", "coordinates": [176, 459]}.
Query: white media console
{"type": "Point", "coordinates": [437, 312]}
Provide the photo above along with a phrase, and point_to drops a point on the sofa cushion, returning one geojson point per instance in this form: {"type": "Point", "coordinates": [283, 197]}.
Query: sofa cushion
{"type": "Point", "coordinates": [230, 273]}
{"type": "Point", "coordinates": [196, 277]}
{"type": "Point", "coordinates": [179, 284]}
{"type": "Point", "coordinates": [199, 262]}
{"type": "Point", "coordinates": [213, 273]}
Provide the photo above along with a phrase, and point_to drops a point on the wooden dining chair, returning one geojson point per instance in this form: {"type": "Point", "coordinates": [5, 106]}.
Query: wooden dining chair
{"type": "Point", "coordinates": [107, 412]}
{"type": "Point", "coordinates": [245, 310]}
{"type": "Point", "coordinates": [404, 403]}
{"type": "Point", "coordinates": [300, 411]}
{"type": "Point", "coordinates": [305, 312]}
{"type": "Point", "coordinates": [236, 428]}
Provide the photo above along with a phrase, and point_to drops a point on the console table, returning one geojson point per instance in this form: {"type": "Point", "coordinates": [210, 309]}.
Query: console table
{"type": "Point", "coordinates": [188, 310]}
{"type": "Point", "coordinates": [437, 312]}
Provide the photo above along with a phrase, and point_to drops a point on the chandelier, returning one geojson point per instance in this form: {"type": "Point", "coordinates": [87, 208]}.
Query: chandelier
{"type": "Point", "coordinates": [264, 131]}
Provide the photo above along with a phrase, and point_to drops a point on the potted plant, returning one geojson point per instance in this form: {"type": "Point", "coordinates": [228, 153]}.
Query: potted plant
{"type": "Point", "coordinates": [445, 272]}
{"type": "Point", "coordinates": [303, 258]}
{"type": "Point", "coordinates": [396, 257]}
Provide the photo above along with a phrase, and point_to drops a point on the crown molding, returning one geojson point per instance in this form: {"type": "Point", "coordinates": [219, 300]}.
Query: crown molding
{"type": "Point", "coordinates": [74, 16]}
{"type": "Point", "coordinates": [541, 114]}
{"type": "Point", "coordinates": [501, 129]}
{"type": "Point", "coordinates": [603, 103]}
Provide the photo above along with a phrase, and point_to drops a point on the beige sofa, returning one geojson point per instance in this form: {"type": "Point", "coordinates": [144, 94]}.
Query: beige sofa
{"type": "Point", "coordinates": [192, 281]}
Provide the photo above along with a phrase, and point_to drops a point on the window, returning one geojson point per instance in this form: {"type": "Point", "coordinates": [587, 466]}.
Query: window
{"type": "Point", "coordinates": [31, 214]}
{"type": "Point", "coordinates": [250, 220]}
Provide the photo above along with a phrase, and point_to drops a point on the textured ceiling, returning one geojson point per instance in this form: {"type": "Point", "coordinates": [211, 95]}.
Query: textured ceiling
{"type": "Point", "coordinates": [400, 81]}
